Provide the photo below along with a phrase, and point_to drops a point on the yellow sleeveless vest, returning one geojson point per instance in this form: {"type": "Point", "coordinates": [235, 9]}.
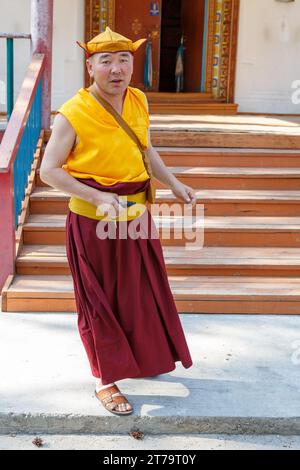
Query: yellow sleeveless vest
{"type": "Point", "coordinates": [104, 151]}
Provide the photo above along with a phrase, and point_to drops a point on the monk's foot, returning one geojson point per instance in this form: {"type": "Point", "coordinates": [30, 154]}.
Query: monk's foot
{"type": "Point", "coordinates": [120, 406]}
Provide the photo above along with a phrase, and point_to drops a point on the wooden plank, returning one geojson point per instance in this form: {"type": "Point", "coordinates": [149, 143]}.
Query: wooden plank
{"type": "Point", "coordinates": [187, 97]}
{"type": "Point", "coordinates": [36, 305]}
{"type": "Point", "coordinates": [218, 231]}
{"type": "Point", "coordinates": [5, 288]}
{"type": "Point", "coordinates": [183, 306]}
{"type": "Point", "coordinates": [49, 193]}
{"type": "Point", "coordinates": [211, 157]}
{"type": "Point", "coordinates": [196, 108]}
{"type": "Point", "coordinates": [228, 151]}
{"type": "Point", "coordinates": [179, 254]}
{"type": "Point", "coordinates": [231, 172]}
{"type": "Point", "coordinates": [217, 202]}
{"type": "Point", "coordinates": [209, 261]}
{"type": "Point", "coordinates": [290, 224]}
{"type": "Point", "coordinates": [183, 287]}
{"type": "Point", "coordinates": [210, 139]}
{"type": "Point", "coordinates": [238, 307]}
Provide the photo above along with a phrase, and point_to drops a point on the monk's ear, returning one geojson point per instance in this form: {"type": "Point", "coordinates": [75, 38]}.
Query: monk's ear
{"type": "Point", "coordinates": [89, 66]}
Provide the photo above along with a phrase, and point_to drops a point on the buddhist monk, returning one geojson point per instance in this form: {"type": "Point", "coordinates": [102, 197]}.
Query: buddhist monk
{"type": "Point", "coordinates": [127, 318]}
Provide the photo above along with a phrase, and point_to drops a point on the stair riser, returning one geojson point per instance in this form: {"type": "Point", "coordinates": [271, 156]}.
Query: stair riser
{"type": "Point", "coordinates": [216, 306]}
{"type": "Point", "coordinates": [225, 182]}
{"type": "Point", "coordinates": [192, 110]}
{"type": "Point", "coordinates": [230, 160]}
{"type": "Point", "coordinates": [215, 140]}
{"type": "Point", "coordinates": [253, 238]}
{"type": "Point", "coordinates": [277, 271]}
{"type": "Point", "coordinates": [210, 208]}
{"type": "Point", "coordinates": [212, 238]}
{"type": "Point", "coordinates": [222, 160]}
{"type": "Point", "coordinates": [44, 237]}
{"type": "Point", "coordinates": [222, 182]}
{"type": "Point", "coordinates": [36, 269]}
{"type": "Point", "coordinates": [239, 307]}
{"type": "Point", "coordinates": [190, 138]}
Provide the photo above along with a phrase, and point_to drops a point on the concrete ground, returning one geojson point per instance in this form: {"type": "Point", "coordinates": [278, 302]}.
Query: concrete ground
{"type": "Point", "coordinates": [244, 380]}
{"type": "Point", "coordinates": [169, 442]}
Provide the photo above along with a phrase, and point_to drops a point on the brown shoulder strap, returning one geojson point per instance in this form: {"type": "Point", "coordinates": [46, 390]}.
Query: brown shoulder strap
{"type": "Point", "coordinates": [118, 117]}
{"type": "Point", "coordinates": [109, 108]}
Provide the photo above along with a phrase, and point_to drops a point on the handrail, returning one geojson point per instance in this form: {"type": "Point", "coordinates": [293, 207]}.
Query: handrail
{"type": "Point", "coordinates": [15, 35]}
{"type": "Point", "coordinates": [15, 127]}
{"type": "Point", "coordinates": [16, 155]}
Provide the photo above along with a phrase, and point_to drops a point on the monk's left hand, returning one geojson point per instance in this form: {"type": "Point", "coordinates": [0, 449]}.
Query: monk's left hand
{"type": "Point", "coordinates": [184, 192]}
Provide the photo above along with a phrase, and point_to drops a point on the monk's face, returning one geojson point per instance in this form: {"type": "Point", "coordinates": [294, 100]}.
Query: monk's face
{"type": "Point", "coordinates": [112, 71]}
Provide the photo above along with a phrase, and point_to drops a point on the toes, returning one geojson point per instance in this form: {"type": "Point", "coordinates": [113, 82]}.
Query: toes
{"type": "Point", "coordinates": [124, 407]}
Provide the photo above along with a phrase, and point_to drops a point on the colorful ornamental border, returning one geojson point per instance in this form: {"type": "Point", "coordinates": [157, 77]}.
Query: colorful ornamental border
{"type": "Point", "coordinates": [220, 41]}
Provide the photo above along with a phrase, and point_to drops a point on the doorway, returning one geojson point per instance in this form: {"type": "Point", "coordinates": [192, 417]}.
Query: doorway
{"type": "Point", "coordinates": [181, 18]}
{"type": "Point", "coordinates": [211, 30]}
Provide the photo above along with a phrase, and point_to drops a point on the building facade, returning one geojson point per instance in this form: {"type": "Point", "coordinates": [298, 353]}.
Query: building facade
{"type": "Point", "coordinates": [235, 51]}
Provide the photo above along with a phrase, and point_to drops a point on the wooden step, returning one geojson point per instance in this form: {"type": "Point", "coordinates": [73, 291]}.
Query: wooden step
{"type": "Point", "coordinates": [236, 177]}
{"type": "Point", "coordinates": [166, 97]}
{"type": "Point", "coordinates": [247, 184]}
{"type": "Point", "coordinates": [50, 229]}
{"type": "Point", "coordinates": [188, 103]}
{"type": "Point", "coordinates": [186, 137]}
{"type": "Point", "coordinates": [217, 202]}
{"type": "Point", "coordinates": [230, 177]}
{"type": "Point", "coordinates": [197, 138]}
{"type": "Point", "coordinates": [204, 107]}
{"type": "Point", "coordinates": [229, 157]}
{"type": "Point", "coordinates": [223, 157]}
{"type": "Point", "coordinates": [201, 294]}
{"type": "Point", "coordinates": [180, 260]}
{"type": "Point", "coordinates": [218, 231]}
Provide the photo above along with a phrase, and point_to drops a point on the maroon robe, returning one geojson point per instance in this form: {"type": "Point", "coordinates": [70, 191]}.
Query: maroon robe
{"type": "Point", "coordinates": [127, 318]}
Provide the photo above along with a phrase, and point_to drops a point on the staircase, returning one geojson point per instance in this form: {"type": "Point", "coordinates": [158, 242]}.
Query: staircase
{"type": "Point", "coordinates": [250, 262]}
{"type": "Point", "coordinates": [188, 103]}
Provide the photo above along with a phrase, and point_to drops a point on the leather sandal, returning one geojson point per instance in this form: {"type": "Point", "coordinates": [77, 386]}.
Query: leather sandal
{"type": "Point", "coordinates": [111, 397]}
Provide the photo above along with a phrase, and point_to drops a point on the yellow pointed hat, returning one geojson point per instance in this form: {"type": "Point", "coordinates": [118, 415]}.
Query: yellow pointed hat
{"type": "Point", "coordinates": [109, 41]}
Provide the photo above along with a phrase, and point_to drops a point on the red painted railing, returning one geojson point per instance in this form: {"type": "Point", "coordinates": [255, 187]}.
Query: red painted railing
{"type": "Point", "coordinates": [9, 151]}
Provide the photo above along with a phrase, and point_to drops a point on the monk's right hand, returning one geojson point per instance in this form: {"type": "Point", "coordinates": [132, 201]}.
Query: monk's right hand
{"type": "Point", "coordinates": [107, 204]}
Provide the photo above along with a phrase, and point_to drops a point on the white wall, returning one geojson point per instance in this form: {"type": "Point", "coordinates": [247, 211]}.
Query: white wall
{"type": "Point", "coordinates": [267, 64]}
{"type": "Point", "coordinates": [14, 17]}
{"type": "Point", "coordinates": [68, 57]}
{"type": "Point", "coordinates": [268, 56]}
{"type": "Point", "coordinates": [67, 61]}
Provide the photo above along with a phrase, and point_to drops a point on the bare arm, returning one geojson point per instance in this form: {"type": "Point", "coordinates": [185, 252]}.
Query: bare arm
{"type": "Point", "coordinates": [56, 153]}
{"type": "Point", "coordinates": [159, 169]}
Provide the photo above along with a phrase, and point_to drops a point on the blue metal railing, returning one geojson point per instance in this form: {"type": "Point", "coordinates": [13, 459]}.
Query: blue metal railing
{"type": "Point", "coordinates": [25, 154]}
{"type": "Point", "coordinates": [17, 151]}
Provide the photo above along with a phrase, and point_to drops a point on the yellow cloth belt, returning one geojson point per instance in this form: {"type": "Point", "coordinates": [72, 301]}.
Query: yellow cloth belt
{"type": "Point", "coordinates": [82, 207]}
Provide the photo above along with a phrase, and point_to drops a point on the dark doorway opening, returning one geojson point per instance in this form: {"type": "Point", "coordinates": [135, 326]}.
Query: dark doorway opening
{"type": "Point", "coordinates": [181, 17]}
